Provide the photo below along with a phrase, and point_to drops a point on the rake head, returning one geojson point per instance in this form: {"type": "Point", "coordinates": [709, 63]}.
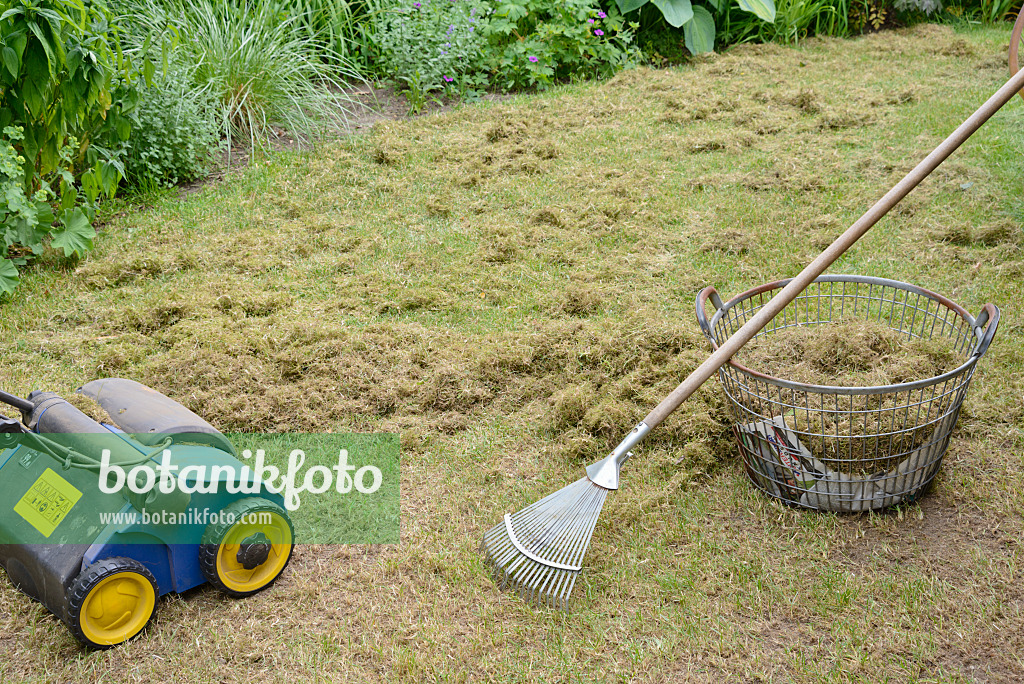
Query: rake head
{"type": "Point", "coordinates": [539, 551]}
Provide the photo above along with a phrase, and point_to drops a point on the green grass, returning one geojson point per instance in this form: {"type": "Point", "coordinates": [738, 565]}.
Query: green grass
{"type": "Point", "coordinates": [510, 286]}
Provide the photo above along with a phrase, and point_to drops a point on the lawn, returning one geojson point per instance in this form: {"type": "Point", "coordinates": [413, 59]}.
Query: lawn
{"type": "Point", "coordinates": [510, 287]}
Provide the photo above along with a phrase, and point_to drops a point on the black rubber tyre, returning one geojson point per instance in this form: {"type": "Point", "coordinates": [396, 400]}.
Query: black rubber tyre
{"type": "Point", "coordinates": [111, 601]}
{"type": "Point", "coordinates": [225, 544]}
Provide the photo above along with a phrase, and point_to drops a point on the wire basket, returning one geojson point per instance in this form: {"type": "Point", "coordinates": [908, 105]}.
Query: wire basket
{"type": "Point", "coordinates": [847, 449]}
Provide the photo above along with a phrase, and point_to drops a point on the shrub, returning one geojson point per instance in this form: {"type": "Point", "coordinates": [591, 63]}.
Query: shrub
{"type": "Point", "coordinates": [64, 83]}
{"type": "Point", "coordinates": [534, 43]}
{"type": "Point", "coordinates": [175, 134]}
{"type": "Point", "coordinates": [433, 45]}
{"type": "Point", "coordinates": [461, 46]}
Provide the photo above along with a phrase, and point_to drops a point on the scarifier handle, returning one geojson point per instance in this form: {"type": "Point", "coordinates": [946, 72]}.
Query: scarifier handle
{"type": "Point", "coordinates": [833, 252]}
{"type": "Point", "coordinates": [23, 405]}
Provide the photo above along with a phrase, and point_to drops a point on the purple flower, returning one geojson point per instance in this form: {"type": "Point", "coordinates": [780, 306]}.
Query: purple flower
{"type": "Point", "coordinates": [448, 79]}
{"type": "Point", "coordinates": [602, 15]}
{"type": "Point", "coordinates": [590, 21]}
{"type": "Point", "coordinates": [417, 5]}
{"type": "Point", "coordinates": [532, 58]}
{"type": "Point", "coordinates": [598, 32]}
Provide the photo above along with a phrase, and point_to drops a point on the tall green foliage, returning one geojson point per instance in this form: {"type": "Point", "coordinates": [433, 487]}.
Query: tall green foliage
{"type": "Point", "coordinates": [345, 27]}
{"type": "Point", "coordinates": [700, 23]}
{"type": "Point", "coordinates": [64, 82]}
{"type": "Point", "coordinates": [992, 11]}
{"type": "Point", "coordinates": [794, 21]}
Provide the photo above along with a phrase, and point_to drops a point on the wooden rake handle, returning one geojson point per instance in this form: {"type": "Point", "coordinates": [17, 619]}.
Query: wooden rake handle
{"type": "Point", "coordinates": [833, 251]}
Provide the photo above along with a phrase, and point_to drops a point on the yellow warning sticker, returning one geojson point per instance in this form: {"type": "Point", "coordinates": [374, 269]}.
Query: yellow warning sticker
{"type": "Point", "coordinates": [47, 502]}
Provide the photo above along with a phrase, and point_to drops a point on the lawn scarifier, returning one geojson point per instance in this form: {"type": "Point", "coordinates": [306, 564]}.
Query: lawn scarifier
{"type": "Point", "coordinates": [539, 550]}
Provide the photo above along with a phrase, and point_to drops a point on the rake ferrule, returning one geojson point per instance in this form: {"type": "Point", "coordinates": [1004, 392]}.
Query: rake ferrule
{"type": "Point", "coordinates": [605, 473]}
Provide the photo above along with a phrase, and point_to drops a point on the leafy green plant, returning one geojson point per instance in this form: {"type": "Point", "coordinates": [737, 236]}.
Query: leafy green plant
{"type": "Point", "coordinates": [798, 19]}
{"type": "Point", "coordinates": [433, 46]}
{"type": "Point", "coordinates": [64, 83]}
{"type": "Point", "coordinates": [993, 11]}
{"type": "Point", "coordinates": [533, 43]}
{"type": "Point", "coordinates": [175, 134]}
{"type": "Point", "coordinates": [699, 23]}
{"type": "Point", "coordinates": [869, 15]}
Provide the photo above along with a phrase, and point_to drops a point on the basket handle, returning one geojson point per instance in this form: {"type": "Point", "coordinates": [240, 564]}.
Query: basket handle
{"type": "Point", "coordinates": [702, 318]}
{"type": "Point", "coordinates": [1018, 27]}
{"type": "Point", "coordinates": [990, 315]}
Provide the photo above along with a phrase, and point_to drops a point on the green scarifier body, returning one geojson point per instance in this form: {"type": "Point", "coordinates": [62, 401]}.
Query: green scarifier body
{"type": "Point", "coordinates": [55, 520]}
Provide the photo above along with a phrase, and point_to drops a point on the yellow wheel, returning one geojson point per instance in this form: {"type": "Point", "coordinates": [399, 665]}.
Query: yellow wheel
{"type": "Point", "coordinates": [248, 548]}
{"type": "Point", "coordinates": [111, 601]}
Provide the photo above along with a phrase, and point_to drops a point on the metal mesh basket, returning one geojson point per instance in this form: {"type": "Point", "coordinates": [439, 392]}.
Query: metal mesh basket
{"type": "Point", "coordinates": [847, 448]}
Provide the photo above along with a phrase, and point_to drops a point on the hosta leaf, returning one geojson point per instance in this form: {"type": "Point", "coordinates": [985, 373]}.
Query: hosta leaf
{"type": "Point", "coordinates": [676, 12]}
{"type": "Point", "coordinates": [630, 5]}
{"type": "Point", "coordinates": [8, 276]}
{"type": "Point", "coordinates": [699, 33]}
{"type": "Point", "coordinates": [764, 9]}
{"type": "Point", "coordinates": [75, 236]}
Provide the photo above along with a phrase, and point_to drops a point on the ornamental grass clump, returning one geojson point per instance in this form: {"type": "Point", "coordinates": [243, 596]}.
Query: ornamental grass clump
{"type": "Point", "coordinates": [264, 72]}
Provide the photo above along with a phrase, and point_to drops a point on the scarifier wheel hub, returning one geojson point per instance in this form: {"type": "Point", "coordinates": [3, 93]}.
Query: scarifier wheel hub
{"type": "Point", "coordinates": [254, 551]}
